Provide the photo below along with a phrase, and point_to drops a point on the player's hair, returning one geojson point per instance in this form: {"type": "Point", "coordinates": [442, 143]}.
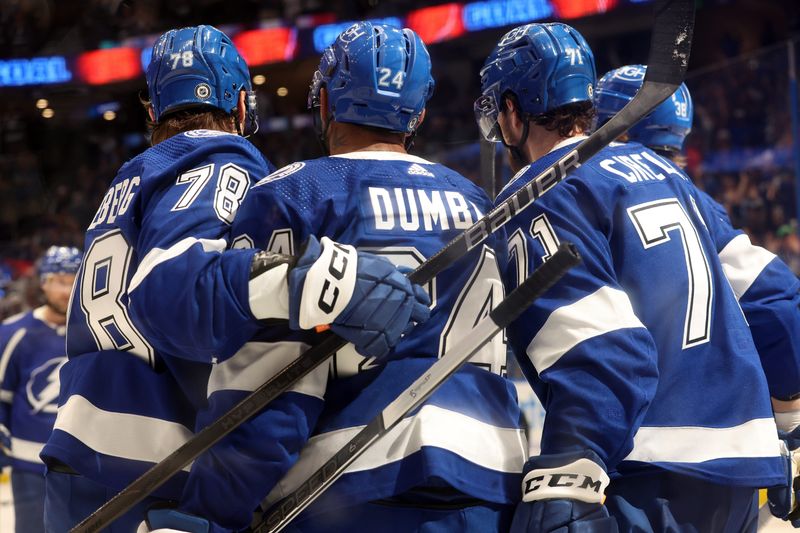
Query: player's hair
{"type": "Point", "coordinates": [568, 119]}
{"type": "Point", "coordinates": [202, 118]}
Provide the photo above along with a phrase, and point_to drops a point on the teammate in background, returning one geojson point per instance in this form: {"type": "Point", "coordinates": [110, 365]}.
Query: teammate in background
{"type": "Point", "coordinates": [776, 324]}
{"type": "Point", "coordinates": [159, 302]}
{"type": "Point", "coordinates": [454, 464]}
{"type": "Point", "coordinates": [641, 355]}
{"type": "Point", "coordinates": [31, 354]}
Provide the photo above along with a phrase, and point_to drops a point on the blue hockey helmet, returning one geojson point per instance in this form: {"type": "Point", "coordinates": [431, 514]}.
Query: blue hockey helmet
{"type": "Point", "coordinates": [197, 66]}
{"type": "Point", "coordinates": [375, 75]}
{"type": "Point", "coordinates": [60, 260]}
{"type": "Point", "coordinates": [665, 128]}
{"type": "Point", "coordinates": [545, 66]}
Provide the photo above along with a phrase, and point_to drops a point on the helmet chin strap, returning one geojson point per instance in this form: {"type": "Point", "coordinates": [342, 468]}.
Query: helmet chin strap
{"type": "Point", "coordinates": [516, 149]}
{"type": "Point", "coordinates": [251, 118]}
{"type": "Point", "coordinates": [322, 132]}
{"type": "Point", "coordinates": [409, 140]}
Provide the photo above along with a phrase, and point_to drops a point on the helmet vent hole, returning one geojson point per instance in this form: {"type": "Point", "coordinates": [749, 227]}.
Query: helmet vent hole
{"type": "Point", "coordinates": [347, 63]}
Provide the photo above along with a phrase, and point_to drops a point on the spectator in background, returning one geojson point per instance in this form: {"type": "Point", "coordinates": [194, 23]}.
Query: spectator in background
{"type": "Point", "coordinates": [31, 354]}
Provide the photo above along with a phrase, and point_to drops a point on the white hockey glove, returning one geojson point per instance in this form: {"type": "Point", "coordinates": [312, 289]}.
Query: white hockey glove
{"type": "Point", "coordinates": [173, 521]}
{"type": "Point", "coordinates": [783, 500]}
{"type": "Point", "coordinates": [365, 299]}
{"type": "Point", "coordinates": [563, 493]}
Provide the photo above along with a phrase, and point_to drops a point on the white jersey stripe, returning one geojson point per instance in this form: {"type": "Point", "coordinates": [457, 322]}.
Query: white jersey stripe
{"type": "Point", "coordinates": [601, 312]}
{"type": "Point", "coordinates": [380, 155]}
{"type": "Point", "coordinates": [120, 434]}
{"type": "Point", "coordinates": [12, 344]}
{"type": "Point", "coordinates": [156, 256]}
{"type": "Point", "coordinates": [269, 293]}
{"type": "Point", "coordinates": [488, 446]}
{"type": "Point", "coordinates": [26, 450]}
{"type": "Point", "coordinates": [686, 444]}
{"type": "Point", "coordinates": [256, 362]}
{"type": "Point", "coordinates": [743, 262]}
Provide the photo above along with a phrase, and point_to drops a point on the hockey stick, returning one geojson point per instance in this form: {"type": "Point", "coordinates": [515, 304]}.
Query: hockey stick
{"type": "Point", "coordinates": [488, 164]}
{"type": "Point", "coordinates": [420, 390]}
{"type": "Point", "coordinates": [667, 62]}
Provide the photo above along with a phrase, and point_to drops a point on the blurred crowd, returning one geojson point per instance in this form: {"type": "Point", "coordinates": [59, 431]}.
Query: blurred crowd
{"type": "Point", "coordinates": [740, 152]}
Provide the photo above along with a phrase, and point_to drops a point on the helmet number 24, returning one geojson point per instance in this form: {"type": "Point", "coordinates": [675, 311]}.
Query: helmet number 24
{"type": "Point", "coordinates": [397, 80]}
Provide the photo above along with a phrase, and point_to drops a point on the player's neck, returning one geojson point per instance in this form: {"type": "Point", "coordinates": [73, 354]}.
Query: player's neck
{"type": "Point", "coordinates": [346, 138]}
{"type": "Point", "coordinates": [51, 316]}
{"type": "Point", "coordinates": [542, 141]}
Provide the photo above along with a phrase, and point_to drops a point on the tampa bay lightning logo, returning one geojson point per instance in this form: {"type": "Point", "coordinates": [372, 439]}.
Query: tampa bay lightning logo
{"type": "Point", "coordinates": [288, 170]}
{"type": "Point", "coordinates": [43, 385]}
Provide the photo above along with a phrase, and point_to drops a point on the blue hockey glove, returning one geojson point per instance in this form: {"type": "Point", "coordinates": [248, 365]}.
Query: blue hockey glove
{"type": "Point", "coordinates": [364, 298]}
{"type": "Point", "coordinates": [173, 521]}
{"type": "Point", "coordinates": [563, 493]}
{"type": "Point", "coordinates": [783, 500]}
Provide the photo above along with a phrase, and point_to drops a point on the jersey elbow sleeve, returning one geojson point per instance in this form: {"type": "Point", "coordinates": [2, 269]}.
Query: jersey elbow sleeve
{"type": "Point", "coordinates": [599, 364]}
{"type": "Point", "coordinates": [196, 305]}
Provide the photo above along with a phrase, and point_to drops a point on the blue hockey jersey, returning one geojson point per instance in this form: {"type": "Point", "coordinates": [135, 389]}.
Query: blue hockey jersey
{"type": "Point", "coordinates": [155, 307]}
{"type": "Point", "coordinates": [31, 354]}
{"type": "Point", "coordinates": [769, 293]}
{"type": "Point", "coordinates": [641, 353]}
{"type": "Point", "coordinates": [468, 435]}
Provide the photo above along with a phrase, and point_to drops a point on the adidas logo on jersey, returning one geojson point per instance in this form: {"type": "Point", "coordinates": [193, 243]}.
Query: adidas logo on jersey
{"type": "Point", "coordinates": [419, 170]}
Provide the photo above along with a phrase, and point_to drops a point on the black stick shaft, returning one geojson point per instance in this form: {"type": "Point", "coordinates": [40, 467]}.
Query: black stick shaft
{"type": "Point", "coordinates": [420, 390]}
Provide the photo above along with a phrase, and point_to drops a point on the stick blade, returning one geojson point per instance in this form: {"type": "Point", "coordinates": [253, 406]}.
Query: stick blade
{"type": "Point", "coordinates": [670, 42]}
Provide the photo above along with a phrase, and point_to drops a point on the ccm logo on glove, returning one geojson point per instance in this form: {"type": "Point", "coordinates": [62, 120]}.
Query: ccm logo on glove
{"type": "Point", "coordinates": [337, 269]}
{"type": "Point", "coordinates": [329, 284]}
{"type": "Point", "coordinates": [582, 480]}
{"type": "Point", "coordinates": [563, 480]}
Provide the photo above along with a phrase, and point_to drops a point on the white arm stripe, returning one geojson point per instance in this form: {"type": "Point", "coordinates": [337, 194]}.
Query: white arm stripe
{"type": "Point", "coordinates": [26, 450]}
{"type": "Point", "coordinates": [491, 447]}
{"type": "Point", "coordinates": [124, 435]}
{"type": "Point", "coordinates": [743, 262]}
{"type": "Point", "coordinates": [156, 256]}
{"type": "Point", "coordinates": [601, 312]}
{"type": "Point", "coordinates": [256, 362]}
{"type": "Point", "coordinates": [269, 293]}
{"type": "Point", "coordinates": [686, 444]}
{"type": "Point", "coordinates": [9, 349]}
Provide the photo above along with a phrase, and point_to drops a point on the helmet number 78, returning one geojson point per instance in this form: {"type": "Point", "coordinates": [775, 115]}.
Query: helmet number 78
{"type": "Point", "coordinates": [186, 59]}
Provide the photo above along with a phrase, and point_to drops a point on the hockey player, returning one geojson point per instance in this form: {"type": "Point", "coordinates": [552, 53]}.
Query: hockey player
{"type": "Point", "coordinates": [32, 352]}
{"type": "Point", "coordinates": [454, 464]}
{"type": "Point", "coordinates": [160, 304]}
{"type": "Point", "coordinates": [647, 369]}
{"type": "Point", "coordinates": [773, 317]}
